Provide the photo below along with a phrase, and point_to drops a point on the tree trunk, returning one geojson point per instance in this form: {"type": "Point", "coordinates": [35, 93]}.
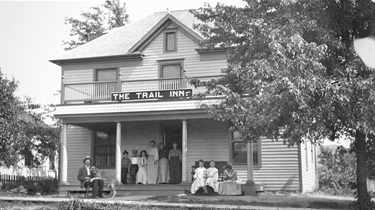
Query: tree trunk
{"type": "Point", "coordinates": [360, 146]}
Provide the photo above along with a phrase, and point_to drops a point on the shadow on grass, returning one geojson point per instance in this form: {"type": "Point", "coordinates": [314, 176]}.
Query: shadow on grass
{"type": "Point", "coordinates": [287, 201]}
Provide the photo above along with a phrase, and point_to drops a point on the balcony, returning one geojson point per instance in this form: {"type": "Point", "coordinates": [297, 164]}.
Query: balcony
{"type": "Point", "coordinates": [101, 91]}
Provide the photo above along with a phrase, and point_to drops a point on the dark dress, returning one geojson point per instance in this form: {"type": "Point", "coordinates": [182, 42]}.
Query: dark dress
{"type": "Point", "coordinates": [175, 166]}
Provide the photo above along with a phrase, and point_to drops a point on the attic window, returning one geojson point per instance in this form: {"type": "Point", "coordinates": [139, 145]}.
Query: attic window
{"type": "Point", "coordinates": [170, 41]}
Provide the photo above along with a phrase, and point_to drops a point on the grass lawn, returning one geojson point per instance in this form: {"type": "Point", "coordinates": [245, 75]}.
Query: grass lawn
{"type": "Point", "coordinates": [269, 199]}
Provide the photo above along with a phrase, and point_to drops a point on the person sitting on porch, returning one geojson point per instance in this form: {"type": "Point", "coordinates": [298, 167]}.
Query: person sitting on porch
{"type": "Point", "coordinates": [152, 164]}
{"type": "Point", "coordinates": [229, 174]}
{"type": "Point", "coordinates": [134, 166]}
{"type": "Point", "coordinates": [125, 167]}
{"type": "Point", "coordinates": [212, 177]}
{"type": "Point", "coordinates": [86, 178]}
{"type": "Point", "coordinates": [192, 173]}
{"type": "Point", "coordinates": [163, 164]}
{"type": "Point", "coordinates": [230, 185]}
{"type": "Point", "coordinates": [142, 172]}
{"type": "Point", "coordinates": [200, 177]}
{"type": "Point", "coordinates": [98, 174]}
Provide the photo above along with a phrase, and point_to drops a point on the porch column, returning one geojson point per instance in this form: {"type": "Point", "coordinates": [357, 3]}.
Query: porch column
{"type": "Point", "coordinates": [184, 151]}
{"type": "Point", "coordinates": [118, 151]}
{"type": "Point", "coordinates": [249, 187]}
{"type": "Point", "coordinates": [64, 156]}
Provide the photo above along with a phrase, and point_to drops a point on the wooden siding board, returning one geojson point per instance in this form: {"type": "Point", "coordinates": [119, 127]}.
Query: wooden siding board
{"type": "Point", "coordinates": [308, 164]}
{"type": "Point", "coordinates": [78, 146]}
{"type": "Point", "coordinates": [207, 140]}
{"type": "Point", "coordinates": [78, 76]}
{"type": "Point", "coordinates": [186, 50]}
{"type": "Point", "coordinates": [279, 169]}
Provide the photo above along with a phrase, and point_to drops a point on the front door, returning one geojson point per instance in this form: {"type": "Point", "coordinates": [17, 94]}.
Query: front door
{"type": "Point", "coordinates": [172, 132]}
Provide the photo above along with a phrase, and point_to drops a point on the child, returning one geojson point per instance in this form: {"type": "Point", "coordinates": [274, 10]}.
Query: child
{"type": "Point", "coordinates": [192, 173]}
{"type": "Point", "coordinates": [125, 167]}
{"type": "Point", "coordinates": [142, 172]}
{"type": "Point", "coordinates": [134, 165]}
{"type": "Point", "coordinates": [200, 178]}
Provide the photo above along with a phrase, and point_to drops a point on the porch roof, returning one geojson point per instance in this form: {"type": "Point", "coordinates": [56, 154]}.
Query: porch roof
{"type": "Point", "coordinates": [131, 107]}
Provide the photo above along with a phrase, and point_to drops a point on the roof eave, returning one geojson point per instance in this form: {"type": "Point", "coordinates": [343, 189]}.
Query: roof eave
{"type": "Point", "coordinates": [129, 56]}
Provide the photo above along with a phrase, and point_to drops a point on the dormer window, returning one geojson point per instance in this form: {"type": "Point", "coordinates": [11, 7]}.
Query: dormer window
{"type": "Point", "coordinates": [170, 41]}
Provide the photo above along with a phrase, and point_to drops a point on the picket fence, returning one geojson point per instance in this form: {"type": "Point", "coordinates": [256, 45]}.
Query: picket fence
{"type": "Point", "coordinates": [14, 181]}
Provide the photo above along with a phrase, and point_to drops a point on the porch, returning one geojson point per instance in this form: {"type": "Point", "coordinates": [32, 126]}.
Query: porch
{"type": "Point", "coordinates": [101, 91]}
{"type": "Point", "coordinates": [132, 189]}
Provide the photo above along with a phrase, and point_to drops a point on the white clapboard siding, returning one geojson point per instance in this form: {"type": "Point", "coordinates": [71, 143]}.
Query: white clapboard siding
{"type": "Point", "coordinates": [78, 76]}
{"type": "Point", "coordinates": [78, 147]}
{"type": "Point", "coordinates": [279, 167]}
{"type": "Point", "coordinates": [186, 50]}
{"type": "Point", "coordinates": [207, 140]}
{"type": "Point", "coordinates": [309, 167]}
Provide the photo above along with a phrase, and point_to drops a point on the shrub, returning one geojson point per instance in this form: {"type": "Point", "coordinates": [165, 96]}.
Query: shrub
{"type": "Point", "coordinates": [337, 171]}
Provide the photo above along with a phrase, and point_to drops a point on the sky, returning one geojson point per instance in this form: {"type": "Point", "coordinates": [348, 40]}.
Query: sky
{"type": "Point", "coordinates": [31, 34]}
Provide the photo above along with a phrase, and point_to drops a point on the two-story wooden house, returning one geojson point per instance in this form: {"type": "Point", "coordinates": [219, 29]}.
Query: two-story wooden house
{"type": "Point", "coordinates": [127, 87]}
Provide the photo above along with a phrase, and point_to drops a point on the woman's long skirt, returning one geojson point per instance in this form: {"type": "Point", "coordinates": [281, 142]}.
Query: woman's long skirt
{"type": "Point", "coordinates": [175, 170]}
{"type": "Point", "coordinates": [142, 175]}
{"type": "Point", "coordinates": [152, 170]}
{"type": "Point", "coordinates": [163, 170]}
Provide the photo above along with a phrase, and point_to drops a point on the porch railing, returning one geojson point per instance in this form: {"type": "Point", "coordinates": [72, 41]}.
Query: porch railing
{"type": "Point", "coordinates": [101, 91]}
{"type": "Point", "coordinates": [89, 91]}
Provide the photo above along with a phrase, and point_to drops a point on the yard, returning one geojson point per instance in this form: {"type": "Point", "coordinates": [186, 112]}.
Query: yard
{"type": "Point", "coordinates": [296, 200]}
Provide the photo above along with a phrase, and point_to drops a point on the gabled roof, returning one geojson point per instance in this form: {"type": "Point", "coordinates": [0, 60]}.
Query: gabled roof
{"type": "Point", "coordinates": [123, 41]}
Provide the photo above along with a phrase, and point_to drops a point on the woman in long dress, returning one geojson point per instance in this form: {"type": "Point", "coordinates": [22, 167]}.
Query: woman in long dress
{"type": "Point", "coordinates": [163, 164]}
{"type": "Point", "coordinates": [175, 165]}
{"type": "Point", "coordinates": [199, 178]}
{"type": "Point", "coordinates": [152, 164]}
{"type": "Point", "coordinates": [213, 176]}
{"type": "Point", "coordinates": [142, 169]}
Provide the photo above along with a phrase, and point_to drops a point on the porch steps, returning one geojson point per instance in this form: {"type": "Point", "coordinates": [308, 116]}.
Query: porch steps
{"type": "Point", "coordinates": [133, 189]}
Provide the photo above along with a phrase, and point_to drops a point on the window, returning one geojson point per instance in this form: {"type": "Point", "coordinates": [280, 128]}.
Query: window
{"type": "Point", "coordinates": [170, 41]}
{"type": "Point", "coordinates": [106, 75]}
{"type": "Point", "coordinates": [170, 71]}
{"type": "Point", "coordinates": [104, 149]}
{"type": "Point", "coordinates": [239, 151]}
{"type": "Point", "coordinates": [170, 74]}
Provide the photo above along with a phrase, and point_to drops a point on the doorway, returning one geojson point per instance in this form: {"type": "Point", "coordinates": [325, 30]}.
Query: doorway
{"type": "Point", "coordinates": [172, 132]}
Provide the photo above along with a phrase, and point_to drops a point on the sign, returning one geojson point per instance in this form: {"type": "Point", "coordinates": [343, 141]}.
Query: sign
{"type": "Point", "coordinates": [141, 95]}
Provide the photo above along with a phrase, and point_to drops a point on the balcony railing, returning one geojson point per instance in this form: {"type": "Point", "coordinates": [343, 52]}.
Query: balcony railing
{"type": "Point", "coordinates": [101, 91]}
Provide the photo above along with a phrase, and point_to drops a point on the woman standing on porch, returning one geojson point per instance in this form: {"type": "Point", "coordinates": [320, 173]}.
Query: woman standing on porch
{"type": "Point", "coordinates": [175, 165]}
{"type": "Point", "coordinates": [163, 165]}
{"type": "Point", "coordinates": [152, 164]}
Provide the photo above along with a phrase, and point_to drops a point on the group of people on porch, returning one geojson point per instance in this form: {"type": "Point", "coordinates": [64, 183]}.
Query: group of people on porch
{"type": "Point", "coordinates": [205, 179]}
{"type": "Point", "coordinates": [160, 166]}
{"type": "Point", "coordinates": [155, 166]}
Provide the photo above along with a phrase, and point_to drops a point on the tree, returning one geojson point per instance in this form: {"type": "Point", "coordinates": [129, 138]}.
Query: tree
{"type": "Point", "coordinates": [9, 128]}
{"type": "Point", "coordinates": [293, 73]}
{"type": "Point", "coordinates": [23, 129]}
{"type": "Point", "coordinates": [93, 24]}
{"type": "Point", "coordinates": [38, 136]}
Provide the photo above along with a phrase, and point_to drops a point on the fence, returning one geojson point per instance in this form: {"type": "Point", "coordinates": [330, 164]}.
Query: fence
{"type": "Point", "coordinates": [31, 182]}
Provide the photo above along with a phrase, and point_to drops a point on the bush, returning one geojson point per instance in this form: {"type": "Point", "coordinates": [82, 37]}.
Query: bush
{"type": "Point", "coordinates": [337, 171]}
{"type": "Point", "coordinates": [44, 187]}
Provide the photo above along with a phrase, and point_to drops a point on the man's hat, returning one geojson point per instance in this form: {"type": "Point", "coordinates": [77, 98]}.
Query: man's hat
{"type": "Point", "coordinates": [87, 157]}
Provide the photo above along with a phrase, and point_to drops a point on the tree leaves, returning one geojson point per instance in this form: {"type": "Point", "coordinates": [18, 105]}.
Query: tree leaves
{"type": "Point", "coordinates": [22, 128]}
{"type": "Point", "coordinates": [95, 23]}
